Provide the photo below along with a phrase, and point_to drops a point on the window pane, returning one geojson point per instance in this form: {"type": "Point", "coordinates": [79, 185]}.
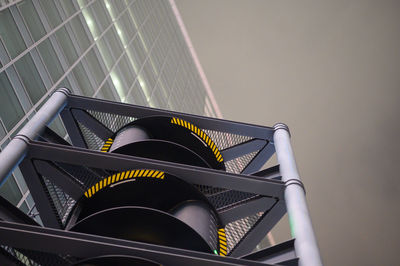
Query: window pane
{"type": "Point", "coordinates": [93, 27]}
{"type": "Point", "coordinates": [32, 19]}
{"type": "Point", "coordinates": [10, 109]}
{"type": "Point", "coordinates": [50, 59]}
{"type": "Point", "coordinates": [10, 191]}
{"type": "Point", "coordinates": [57, 126]}
{"type": "Point", "coordinates": [68, 7]}
{"type": "Point", "coordinates": [115, 44]}
{"type": "Point", "coordinates": [65, 84]}
{"type": "Point", "coordinates": [2, 131]}
{"type": "Point", "coordinates": [95, 67]}
{"type": "Point", "coordinates": [103, 19]}
{"type": "Point", "coordinates": [51, 12]}
{"type": "Point", "coordinates": [30, 78]}
{"type": "Point", "coordinates": [105, 53]}
{"type": "Point", "coordinates": [80, 33]}
{"type": "Point", "coordinates": [10, 34]}
{"type": "Point", "coordinates": [24, 207]}
{"type": "Point", "coordinates": [67, 46]}
{"type": "Point", "coordinates": [107, 91]}
{"type": "Point", "coordinates": [127, 71]}
{"type": "Point", "coordinates": [82, 79]}
{"type": "Point", "coordinates": [20, 179]}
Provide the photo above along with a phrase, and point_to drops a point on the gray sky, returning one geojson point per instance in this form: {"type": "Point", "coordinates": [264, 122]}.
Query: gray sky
{"type": "Point", "coordinates": [331, 71]}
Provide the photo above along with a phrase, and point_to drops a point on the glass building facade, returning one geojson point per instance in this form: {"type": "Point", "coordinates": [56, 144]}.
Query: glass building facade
{"type": "Point", "coordinates": [131, 51]}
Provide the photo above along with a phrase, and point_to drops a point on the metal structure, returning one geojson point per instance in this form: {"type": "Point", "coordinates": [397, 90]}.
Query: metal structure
{"type": "Point", "coordinates": [59, 170]}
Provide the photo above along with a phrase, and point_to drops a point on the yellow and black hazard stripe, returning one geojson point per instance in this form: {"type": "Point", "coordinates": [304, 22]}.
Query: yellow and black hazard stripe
{"type": "Point", "coordinates": [107, 145]}
{"type": "Point", "coordinates": [201, 134]}
{"type": "Point", "coordinates": [123, 176]}
{"type": "Point", "coordinates": [222, 242]}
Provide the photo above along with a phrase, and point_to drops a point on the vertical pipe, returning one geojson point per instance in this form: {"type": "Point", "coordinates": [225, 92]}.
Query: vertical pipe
{"type": "Point", "coordinates": [299, 218]}
{"type": "Point", "coordinates": [15, 151]}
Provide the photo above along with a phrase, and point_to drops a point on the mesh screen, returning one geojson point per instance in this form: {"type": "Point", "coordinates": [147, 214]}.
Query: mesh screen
{"type": "Point", "coordinates": [225, 140]}
{"type": "Point", "coordinates": [85, 176]}
{"type": "Point", "coordinates": [35, 258]}
{"type": "Point", "coordinates": [92, 141]}
{"type": "Point", "coordinates": [236, 230]}
{"type": "Point", "coordinates": [229, 198]}
{"type": "Point", "coordinates": [237, 165]}
{"type": "Point", "coordinates": [63, 203]}
{"type": "Point", "coordinates": [44, 258]}
{"type": "Point", "coordinates": [112, 121]}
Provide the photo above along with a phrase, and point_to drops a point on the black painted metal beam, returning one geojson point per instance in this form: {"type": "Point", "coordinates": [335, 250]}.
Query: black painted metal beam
{"type": "Point", "coordinates": [86, 246]}
{"type": "Point", "coordinates": [92, 123]}
{"type": "Point", "coordinates": [51, 136]}
{"type": "Point", "coordinates": [60, 178]}
{"type": "Point", "coordinates": [270, 173]}
{"type": "Point", "coordinates": [72, 128]}
{"type": "Point", "coordinates": [10, 213]}
{"type": "Point", "coordinates": [260, 159]}
{"type": "Point", "coordinates": [260, 230]}
{"type": "Point", "coordinates": [282, 252]}
{"type": "Point", "coordinates": [191, 174]}
{"type": "Point", "coordinates": [255, 131]}
{"type": "Point", "coordinates": [37, 188]}
{"type": "Point", "coordinates": [242, 149]}
{"type": "Point", "coordinates": [246, 208]}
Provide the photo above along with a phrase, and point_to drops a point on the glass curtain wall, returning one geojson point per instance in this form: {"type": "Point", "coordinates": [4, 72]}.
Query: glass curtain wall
{"type": "Point", "coordinates": [124, 50]}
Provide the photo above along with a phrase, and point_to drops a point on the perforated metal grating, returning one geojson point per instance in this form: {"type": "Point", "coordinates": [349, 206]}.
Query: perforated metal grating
{"type": "Point", "coordinates": [35, 258]}
{"type": "Point", "coordinates": [92, 141]}
{"type": "Point", "coordinates": [235, 231]}
{"type": "Point", "coordinates": [62, 202]}
{"type": "Point", "coordinates": [112, 121]}
{"type": "Point", "coordinates": [225, 140]}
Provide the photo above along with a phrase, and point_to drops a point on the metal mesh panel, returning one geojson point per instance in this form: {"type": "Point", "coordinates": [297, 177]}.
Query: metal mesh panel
{"type": "Point", "coordinates": [208, 190]}
{"type": "Point", "coordinates": [112, 121]}
{"type": "Point", "coordinates": [225, 140]}
{"type": "Point", "coordinates": [35, 258]}
{"type": "Point", "coordinates": [85, 176]}
{"type": "Point", "coordinates": [63, 203]}
{"type": "Point", "coordinates": [44, 258]}
{"type": "Point", "coordinates": [229, 198]}
{"type": "Point", "coordinates": [236, 230]}
{"type": "Point", "coordinates": [237, 165]}
{"type": "Point", "coordinates": [17, 257]}
{"type": "Point", "coordinates": [93, 142]}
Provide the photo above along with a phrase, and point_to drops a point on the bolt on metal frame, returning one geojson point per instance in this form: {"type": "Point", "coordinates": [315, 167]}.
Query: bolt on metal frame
{"type": "Point", "coordinates": [286, 194]}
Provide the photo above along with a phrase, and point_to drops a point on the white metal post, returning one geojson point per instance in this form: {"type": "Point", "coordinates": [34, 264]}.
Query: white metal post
{"type": "Point", "coordinates": [15, 151]}
{"type": "Point", "coordinates": [300, 223]}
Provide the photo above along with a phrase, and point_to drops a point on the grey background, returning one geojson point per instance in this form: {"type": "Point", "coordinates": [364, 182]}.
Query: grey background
{"type": "Point", "coordinates": [331, 71]}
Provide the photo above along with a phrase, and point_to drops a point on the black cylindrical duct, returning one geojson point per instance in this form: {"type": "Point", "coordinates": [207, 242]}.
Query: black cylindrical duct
{"type": "Point", "coordinates": [149, 205]}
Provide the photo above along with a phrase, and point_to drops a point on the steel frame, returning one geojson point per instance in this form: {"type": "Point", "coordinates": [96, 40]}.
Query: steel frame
{"type": "Point", "coordinates": [275, 196]}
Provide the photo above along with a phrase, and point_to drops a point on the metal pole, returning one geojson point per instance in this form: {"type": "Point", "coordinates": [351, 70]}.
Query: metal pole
{"type": "Point", "coordinates": [299, 218]}
{"type": "Point", "coordinates": [15, 151]}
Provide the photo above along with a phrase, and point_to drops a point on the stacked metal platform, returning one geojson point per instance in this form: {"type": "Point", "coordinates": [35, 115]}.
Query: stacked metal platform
{"type": "Point", "coordinates": [59, 170]}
